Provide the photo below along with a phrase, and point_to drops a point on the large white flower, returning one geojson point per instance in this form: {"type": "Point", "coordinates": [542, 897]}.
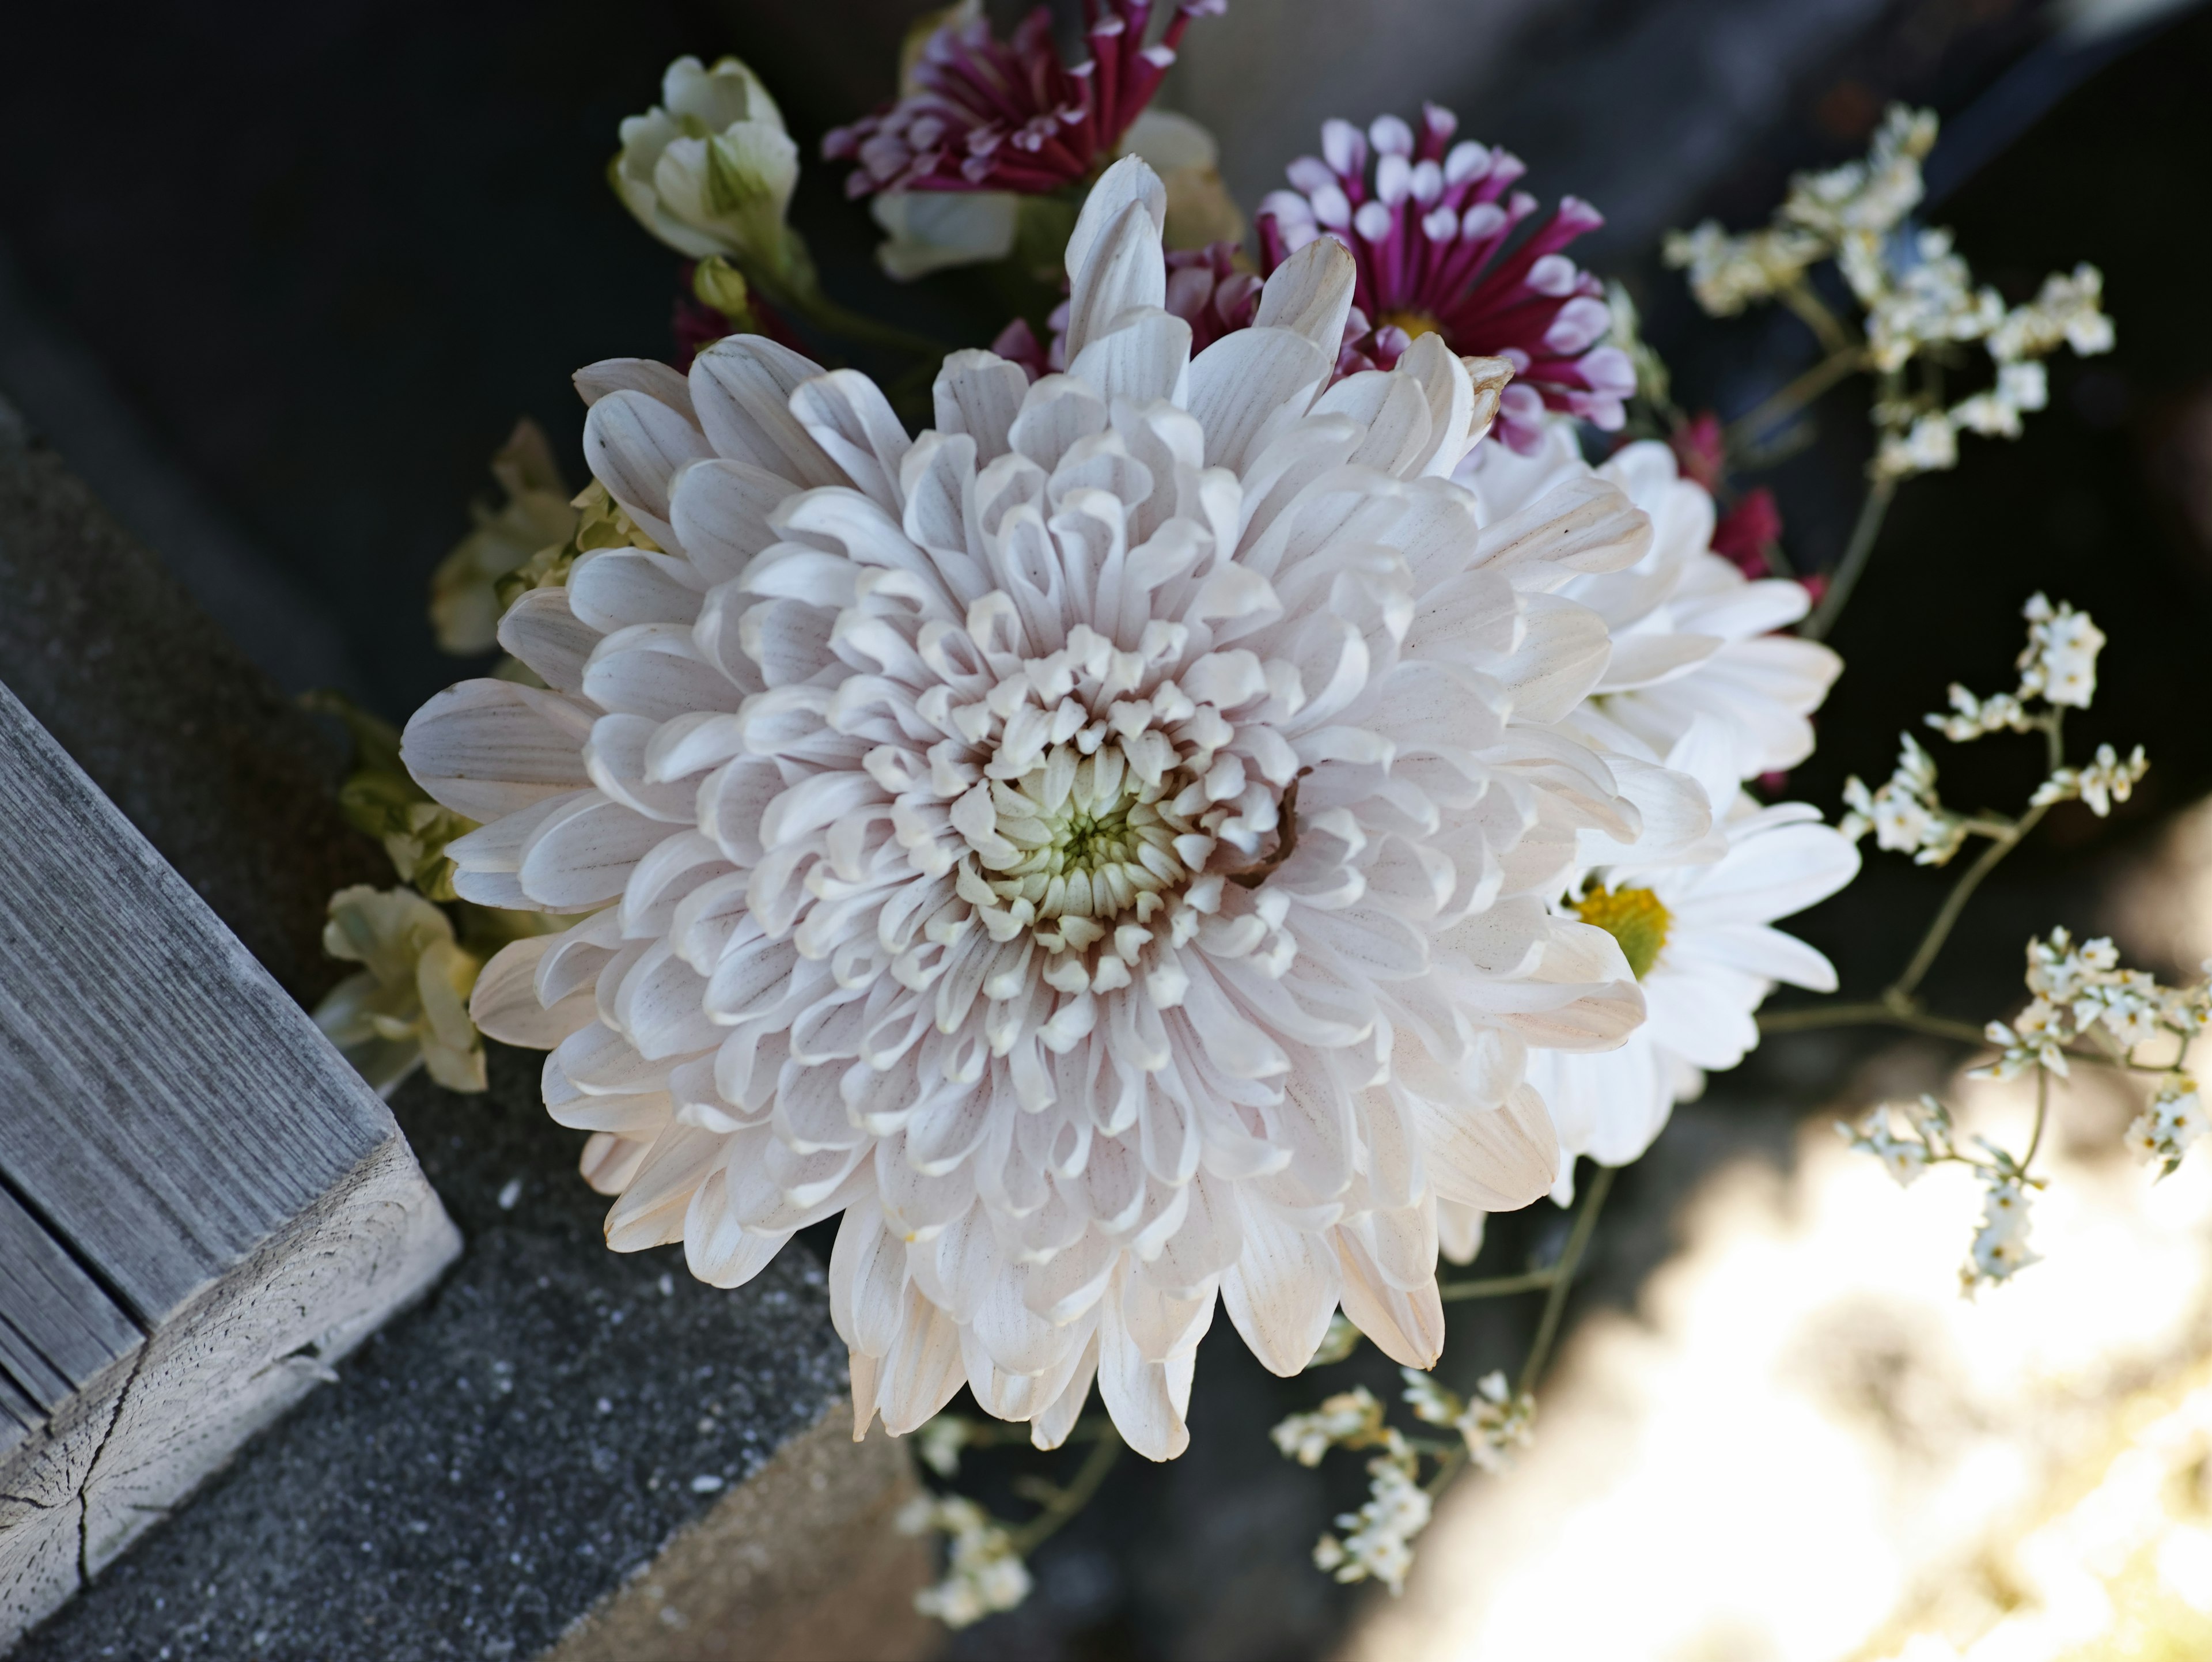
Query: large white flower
{"type": "Point", "coordinates": [1104, 846]}
{"type": "Point", "coordinates": [1692, 636]}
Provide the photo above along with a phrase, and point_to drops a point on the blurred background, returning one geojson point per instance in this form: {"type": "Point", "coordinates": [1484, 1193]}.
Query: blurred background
{"type": "Point", "coordinates": [277, 281]}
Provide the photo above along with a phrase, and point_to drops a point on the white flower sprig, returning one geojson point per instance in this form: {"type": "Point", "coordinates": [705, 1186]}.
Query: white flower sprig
{"type": "Point", "coordinates": [1917, 292]}
{"type": "Point", "coordinates": [2058, 673]}
{"type": "Point", "coordinates": [2083, 1006]}
{"type": "Point", "coordinates": [984, 1572]}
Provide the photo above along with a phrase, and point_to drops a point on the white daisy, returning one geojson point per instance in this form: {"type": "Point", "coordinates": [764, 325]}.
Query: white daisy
{"type": "Point", "coordinates": [1692, 635]}
{"type": "Point", "coordinates": [1697, 933]}
{"type": "Point", "coordinates": [1104, 846]}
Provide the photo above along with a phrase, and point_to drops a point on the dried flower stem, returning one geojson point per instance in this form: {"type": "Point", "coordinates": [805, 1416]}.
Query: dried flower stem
{"type": "Point", "coordinates": [1499, 1287]}
{"type": "Point", "coordinates": [1547, 1329]}
{"type": "Point", "coordinates": [1066, 1501]}
{"type": "Point", "coordinates": [1836, 367]}
{"type": "Point", "coordinates": [1872, 512]}
{"type": "Point", "coordinates": [1939, 931]}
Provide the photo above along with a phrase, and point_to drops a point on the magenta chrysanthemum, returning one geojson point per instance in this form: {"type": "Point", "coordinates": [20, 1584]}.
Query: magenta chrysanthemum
{"type": "Point", "coordinates": [995, 115]}
{"type": "Point", "coordinates": [1433, 236]}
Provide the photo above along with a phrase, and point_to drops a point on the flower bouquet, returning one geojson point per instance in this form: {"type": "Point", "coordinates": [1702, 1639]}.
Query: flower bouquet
{"type": "Point", "coordinates": [1186, 808]}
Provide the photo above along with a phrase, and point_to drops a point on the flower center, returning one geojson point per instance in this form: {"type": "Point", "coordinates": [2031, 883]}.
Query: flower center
{"type": "Point", "coordinates": [1634, 917]}
{"type": "Point", "coordinates": [1415, 324]}
{"type": "Point", "coordinates": [1084, 840]}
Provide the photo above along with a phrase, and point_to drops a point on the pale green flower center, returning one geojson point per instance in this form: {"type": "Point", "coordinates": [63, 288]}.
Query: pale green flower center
{"type": "Point", "coordinates": [1091, 839]}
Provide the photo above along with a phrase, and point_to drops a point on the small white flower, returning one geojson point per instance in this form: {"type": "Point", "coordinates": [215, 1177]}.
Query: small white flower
{"type": "Point", "coordinates": [2068, 311]}
{"type": "Point", "coordinates": [1905, 1158]}
{"type": "Point", "coordinates": [409, 1007]}
{"type": "Point", "coordinates": [1970, 718]}
{"type": "Point", "coordinates": [2164, 1132]}
{"type": "Point", "coordinates": [1727, 273]}
{"type": "Point", "coordinates": [938, 1445]}
{"type": "Point", "coordinates": [1377, 1542]}
{"type": "Point", "coordinates": [1929, 445]}
{"type": "Point", "coordinates": [2000, 1250]}
{"type": "Point", "coordinates": [2033, 1038]}
{"type": "Point", "coordinates": [1497, 1424]}
{"type": "Point", "coordinates": [2106, 780]}
{"type": "Point", "coordinates": [2059, 662]}
{"type": "Point", "coordinates": [710, 169]}
{"type": "Point", "coordinates": [983, 1572]}
{"type": "Point", "coordinates": [1353, 1418]}
{"type": "Point", "coordinates": [1905, 815]}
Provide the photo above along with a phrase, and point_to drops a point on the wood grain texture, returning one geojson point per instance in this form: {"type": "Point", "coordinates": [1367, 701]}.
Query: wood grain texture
{"type": "Point", "coordinates": [58, 1328]}
{"type": "Point", "coordinates": [167, 1107]}
{"type": "Point", "coordinates": [201, 1204]}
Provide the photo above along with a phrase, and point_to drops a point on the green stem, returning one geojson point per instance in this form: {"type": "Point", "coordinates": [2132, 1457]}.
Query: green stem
{"type": "Point", "coordinates": [1902, 990]}
{"type": "Point", "coordinates": [1448, 1465]}
{"type": "Point", "coordinates": [2042, 1106]}
{"type": "Point", "coordinates": [1794, 396]}
{"type": "Point", "coordinates": [1814, 313]}
{"type": "Point", "coordinates": [1867, 1015]}
{"type": "Point", "coordinates": [1498, 1286]}
{"type": "Point", "coordinates": [1072, 1499]}
{"type": "Point", "coordinates": [1847, 569]}
{"type": "Point", "coordinates": [1547, 1327]}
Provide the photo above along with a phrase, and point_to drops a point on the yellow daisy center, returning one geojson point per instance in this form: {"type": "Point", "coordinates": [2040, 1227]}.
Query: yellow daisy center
{"type": "Point", "coordinates": [1415, 324]}
{"type": "Point", "coordinates": [1634, 917]}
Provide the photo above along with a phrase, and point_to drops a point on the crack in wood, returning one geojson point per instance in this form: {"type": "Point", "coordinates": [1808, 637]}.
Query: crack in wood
{"type": "Point", "coordinates": [91, 1470]}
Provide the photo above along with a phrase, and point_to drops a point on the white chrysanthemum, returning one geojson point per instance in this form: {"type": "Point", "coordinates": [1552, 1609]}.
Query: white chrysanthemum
{"type": "Point", "coordinates": [1692, 635]}
{"type": "Point", "coordinates": [1102, 846]}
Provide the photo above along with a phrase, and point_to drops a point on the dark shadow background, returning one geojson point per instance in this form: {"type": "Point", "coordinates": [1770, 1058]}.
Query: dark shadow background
{"type": "Point", "coordinates": [277, 280]}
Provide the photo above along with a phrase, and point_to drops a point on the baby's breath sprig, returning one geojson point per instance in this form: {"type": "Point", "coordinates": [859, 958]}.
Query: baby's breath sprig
{"type": "Point", "coordinates": [1921, 308]}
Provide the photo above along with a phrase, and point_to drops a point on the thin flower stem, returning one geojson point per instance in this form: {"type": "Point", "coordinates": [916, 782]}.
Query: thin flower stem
{"type": "Point", "coordinates": [1868, 1015]}
{"type": "Point", "coordinates": [1902, 989]}
{"type": "Point", "coordinates": [1794, 397]}
{"type": "Point", "coordinates": [1872, 512]}
{"type": "Point", "coordinates": [1448, 1466]}
{"type": "Point", "coordinates": [1547, 1329]}
{"type": "Point", "coordinates": [1498, 1286]}
{"type": "Point", "coordinates": [2042, 1107]}
{"type": "Point", "coordinates": [1834, 336]}
{"type": "Point", "coordinates": [1072, 1499]}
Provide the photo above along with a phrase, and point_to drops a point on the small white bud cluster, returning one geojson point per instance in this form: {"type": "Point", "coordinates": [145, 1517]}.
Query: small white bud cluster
{"type": "Point", "coordinates": [1906, 1158]}
{"type": "Point", "coordinates": [1496, 1422]}
{"type": "Point", "coordinates": [2108, 779]}
{"type": "Point", "coordinates": [983, 1572]}
{"type": "Point", "coordinates": [2163, 1132]}
{"type": "Point", "coordinates": [1905, 814]}
{"type": "Point", "coordinates": [1918, 290]}
{"type": "Point", "coordinates": [2000, 1250]}
{"type": "Point", "coordinates": [937, 1444]}
{"type": "Point", "coordinates": [1377, 1542]}
{"type": "Point", "coordinates": [2058, 665]}
{"type": "Point", "coordinates": [1352, 1418]}
{"type": "Point", "coordinates": [1844, 212]}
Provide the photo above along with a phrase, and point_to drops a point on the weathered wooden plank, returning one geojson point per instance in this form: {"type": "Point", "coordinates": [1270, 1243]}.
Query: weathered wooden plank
{"type": "Point", "coordinates": [167, 1106]}
{"type": "Point", "coordinates": [19, 1417]}
{"type": "Point", "coordinates": [181, 1151]}
{"type": "Point", "coordinates": [58, 1328]}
